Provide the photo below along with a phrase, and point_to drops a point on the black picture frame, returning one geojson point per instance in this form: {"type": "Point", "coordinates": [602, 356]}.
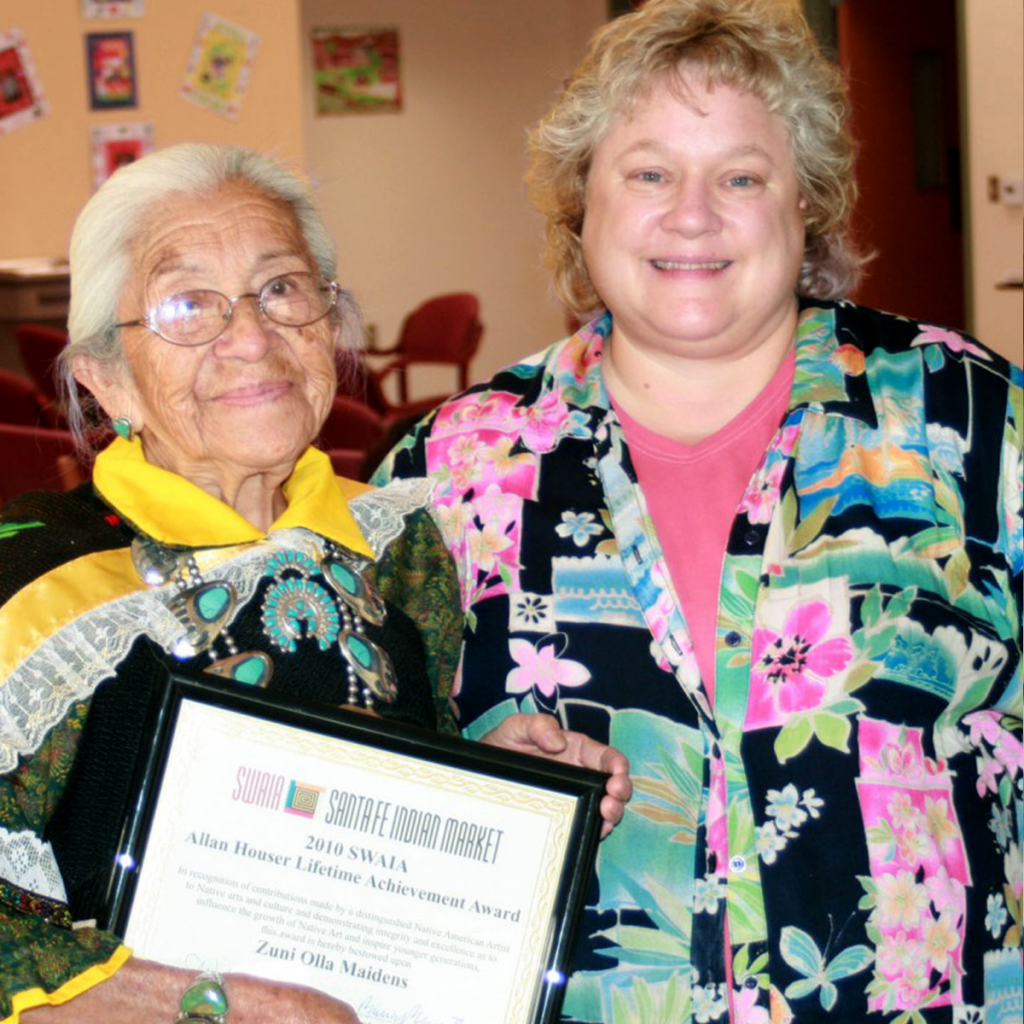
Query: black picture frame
{"type": "Point", "coordinates": [583, 786]}
{"type": "Point", "coordinates": [110, 65]}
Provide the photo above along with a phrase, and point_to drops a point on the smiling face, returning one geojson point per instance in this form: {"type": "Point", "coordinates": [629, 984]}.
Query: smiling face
{"type": "Point", "coordinates": [250, 401]}
{"type": "Point", "coordinates": [694, 234]}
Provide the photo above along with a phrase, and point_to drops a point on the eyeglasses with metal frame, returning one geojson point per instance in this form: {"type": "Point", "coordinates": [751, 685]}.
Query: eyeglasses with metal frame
{"type": "Point", "coordinates": [201, 315]}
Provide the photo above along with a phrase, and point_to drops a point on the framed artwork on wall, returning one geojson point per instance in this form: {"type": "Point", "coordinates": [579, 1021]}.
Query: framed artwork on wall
{"type": "Point", "coordinates": [21, 94]}
{"type": "Point", "coordinates": [113, 8]}
{"type": "Point", "coordinates": [110, 59]}
{"type": "Point", "coordinates": [218, 71]}
{"type": "Point", "coordinates": [114, 145]}
{"type": "Point", "coordinates": [356, 70]}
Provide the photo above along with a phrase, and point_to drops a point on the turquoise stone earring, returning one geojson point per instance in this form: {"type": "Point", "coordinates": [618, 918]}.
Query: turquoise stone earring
{"type": "Point", "coordinates": [123, 428]}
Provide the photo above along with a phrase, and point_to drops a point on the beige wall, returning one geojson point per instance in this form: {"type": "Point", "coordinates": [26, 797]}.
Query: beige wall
{"type": "Point", "coordinates": [46, 166]}
{"type": "Point", "coordinates": [432, 200]}
{"type": "Point", "coordinates": [993, 34]}
{"type": "Point", "coordinates": [427, 201]}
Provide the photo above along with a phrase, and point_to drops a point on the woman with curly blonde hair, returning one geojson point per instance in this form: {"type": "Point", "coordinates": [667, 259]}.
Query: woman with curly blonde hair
{"type": "Point", "coordinates": [629, 57]}
{"type": "Point", "coordinates": [763, 540]}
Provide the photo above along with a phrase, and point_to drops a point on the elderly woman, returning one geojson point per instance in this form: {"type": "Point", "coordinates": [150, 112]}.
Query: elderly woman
{"type": "Point", "coordinates": [765, 541]}
{"type": "Point", "coordinates": [204, 326]}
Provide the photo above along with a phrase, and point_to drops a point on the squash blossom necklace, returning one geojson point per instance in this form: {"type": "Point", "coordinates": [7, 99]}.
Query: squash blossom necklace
{"type": "Point", "coordinates": [329, 601]}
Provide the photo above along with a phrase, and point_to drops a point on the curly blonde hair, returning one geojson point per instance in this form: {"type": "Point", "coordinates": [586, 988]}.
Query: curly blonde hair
{"type": "Point", "coordinates": [759, 46]}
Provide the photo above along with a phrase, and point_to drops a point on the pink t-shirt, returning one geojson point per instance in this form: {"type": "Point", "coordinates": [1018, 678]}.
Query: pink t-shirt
{"type": "Point", "coordinates": [693, 491]}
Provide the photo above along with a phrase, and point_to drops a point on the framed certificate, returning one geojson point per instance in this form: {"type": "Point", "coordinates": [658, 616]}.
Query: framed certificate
{"type": "Point", "coordinates": [415, 875]}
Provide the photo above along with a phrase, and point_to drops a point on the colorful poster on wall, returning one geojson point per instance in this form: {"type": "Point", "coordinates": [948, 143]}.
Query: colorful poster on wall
{"type": "Point", "coordinates": [114, 145]}
{"type": "Point", "coordinates": [110, 57]}
{"type": "Point", "coordinates": [356, 70]}
{"type": "Point", "coordinates": [218, 71]}
{"type": "Point", "coordinates": [21, 93]}
{"type": "Point", "coordinates": [113, 8]}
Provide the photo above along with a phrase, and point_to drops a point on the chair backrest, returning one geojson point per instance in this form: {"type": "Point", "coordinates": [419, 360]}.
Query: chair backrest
{"type": "Point", "coordinates": [37, 458]}
{"type": "Point", "coordinates": [348, 462]}
{"type": "Point", "coordinates": [19, 401]}
{"type": "Point", "coordinates": [351, 424]}
{"type": "Point", "coordinates": [357, 382]}
{"type": "Point", "coordinates": [445, 329]}
{"type": "Point", "coordinates": [39, 346]}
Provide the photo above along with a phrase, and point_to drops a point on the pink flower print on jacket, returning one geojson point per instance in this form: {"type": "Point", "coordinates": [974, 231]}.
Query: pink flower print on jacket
{"type": "Point", "coordinates": [951, 339]}
{"type": "Point", "coordinates": [1001, 750]}
{"type": "Point", "coordinates": [483, 536]}
{"type": "Point", "coordinates": [744, 1006]}
{"type": "Point", "coordinates": [478, 458]}
{"type": "Point", "coordinates": [541, 424]}
{"type": "Point", "coordinates": [763, 492]}
{"type": "Point", "coordinates": [918, 868]}
{"type": "Point", "coordinates": [717, 822]}
{"type": "Point", "coordinates": [472, 444]}
{"type": "Point", "coordinates": [540, 667]}
{"type": "Point", "coordinates": [486, 546]}
{"type": "Point", "coordinates": [791, 669]}
{"type": "Point", "coordinates": [463, 457]}
{"type": "Point", "coordinates": [493, 532]}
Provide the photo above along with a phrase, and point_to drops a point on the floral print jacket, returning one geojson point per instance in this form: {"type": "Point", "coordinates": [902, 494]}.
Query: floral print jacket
{"type": "Point", "coordinates": [839, 837]}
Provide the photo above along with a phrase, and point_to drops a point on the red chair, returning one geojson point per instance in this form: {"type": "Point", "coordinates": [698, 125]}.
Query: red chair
{"type": "Point", "coordinates": [348, 462]}
{"type": "Point", "coordinates": [19, 401]}
{"type": "Point", "coordinates": [37, 458]}
{"type": "Point", "coordinates": [445, 329]}
{"type": "Point", "coordinates": [356, 381]}
{"type": "Point", "coordinates": [39, 347]}
{"type": "Point", "coordinates": [351, 424]}
{"type": "Point", "coordinates": [351, 431]}
{"type": "Point", "coordinates": [359, 383]}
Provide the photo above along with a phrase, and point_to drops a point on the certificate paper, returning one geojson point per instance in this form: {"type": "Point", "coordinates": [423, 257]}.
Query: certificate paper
{"type": "Point", "coordinates": [415, 890]}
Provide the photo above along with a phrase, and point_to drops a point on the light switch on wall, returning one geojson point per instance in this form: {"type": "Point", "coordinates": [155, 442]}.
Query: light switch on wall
{"type": "Point", "coordinates": [1011, 191]}
{"type": "Point", "coordinates": [1008, 191]}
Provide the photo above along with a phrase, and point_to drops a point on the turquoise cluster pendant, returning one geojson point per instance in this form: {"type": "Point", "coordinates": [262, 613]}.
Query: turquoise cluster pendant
{"type": "Point", "coordinates": [295, 608]}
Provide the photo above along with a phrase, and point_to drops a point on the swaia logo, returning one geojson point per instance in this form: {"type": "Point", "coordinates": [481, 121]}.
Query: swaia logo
{"type": "Point", "coordinates": [302, 799]}
{"type": "Point", "coordinates": [259, 788]}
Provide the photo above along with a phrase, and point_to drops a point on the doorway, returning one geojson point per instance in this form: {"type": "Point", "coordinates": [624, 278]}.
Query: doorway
{"type": "Point", "coordinates": [901, 64]}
